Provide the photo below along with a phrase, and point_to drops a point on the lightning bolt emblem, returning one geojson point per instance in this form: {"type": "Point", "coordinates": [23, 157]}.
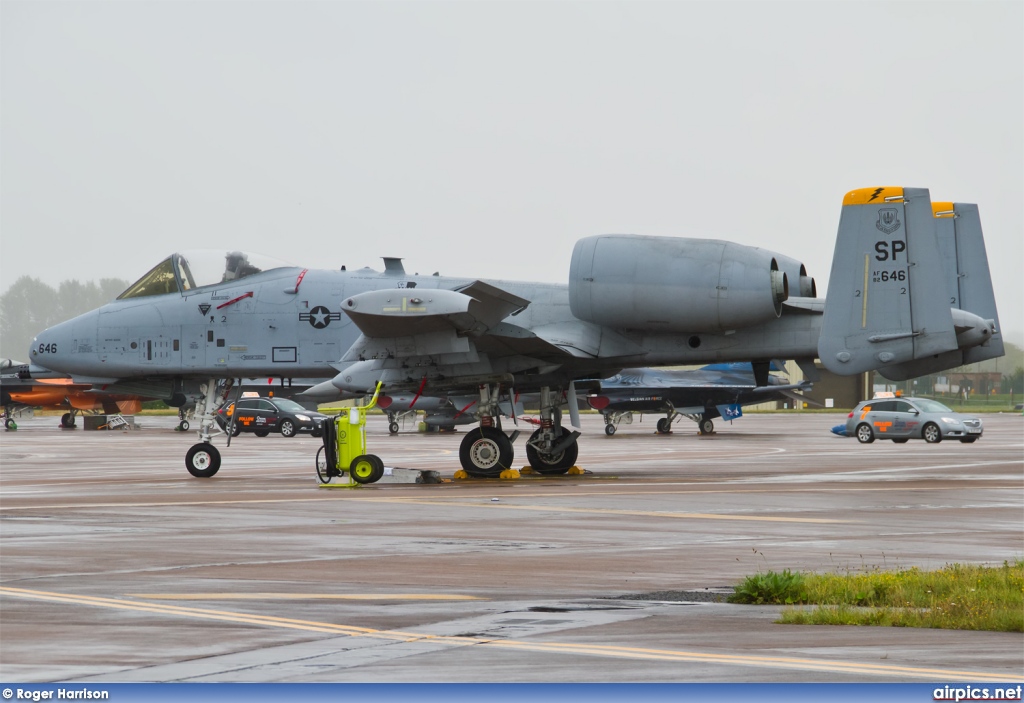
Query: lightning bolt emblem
{"type": "Point", "coordinates": [875, 194]}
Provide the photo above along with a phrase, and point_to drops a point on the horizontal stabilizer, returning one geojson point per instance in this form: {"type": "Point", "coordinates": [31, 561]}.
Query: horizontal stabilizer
{"type": "Point", "coordinates": [803, 306]}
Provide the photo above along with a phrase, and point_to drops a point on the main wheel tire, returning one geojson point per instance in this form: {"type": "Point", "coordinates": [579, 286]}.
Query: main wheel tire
{"type": "Point", "coordinates": [67, 420]}
{"type": "Point", "coordinates": [865, 435]}
{"type": "Point", "coordinates": [366, 468]}
{"type": "Point", "coordinates": [485, 452]}
{"type": "Point", "coordinates": [287, 428]}
{"type": "Point", "coordinates": [609, 429]}
{"type": "Point", "coordinates": [202, 460]}
{"type": "Point", "coordinates": [393, 428]}
{"type": "Point", "coordinates": [664, 426]}
{"type": "Point", "coordinates": [902, 440]}
{"type": "Point", "coordinates": [322, 473]}
{"type": "Point", "coordinates": [261, 433]}
{"type": "Point", "coordinates": [705, 426]}
{"type": "Point", "coordinates": [551, 464]}
{"type": "Point", "coordinates": [969, 440]}
{"type": "Point", "coordinates": [931, 433]}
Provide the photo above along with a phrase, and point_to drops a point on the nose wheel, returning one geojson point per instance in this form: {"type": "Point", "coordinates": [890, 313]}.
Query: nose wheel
{"type": "Point", "coordinates": [202, 460]}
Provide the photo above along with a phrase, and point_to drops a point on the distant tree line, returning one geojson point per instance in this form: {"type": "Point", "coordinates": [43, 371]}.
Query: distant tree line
{"type": "Point", "coordinates": [29, 306]}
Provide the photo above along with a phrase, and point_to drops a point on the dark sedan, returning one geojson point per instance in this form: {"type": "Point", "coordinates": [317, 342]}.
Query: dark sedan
{"type": "Point", "coordinates": [261, 416]}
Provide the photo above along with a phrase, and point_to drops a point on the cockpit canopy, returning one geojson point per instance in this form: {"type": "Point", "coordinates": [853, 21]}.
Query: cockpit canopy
{"type": "Point", "coordinates": [185, 271]}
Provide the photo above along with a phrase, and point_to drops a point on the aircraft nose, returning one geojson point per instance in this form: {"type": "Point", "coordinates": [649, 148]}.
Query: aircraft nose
{"type": "Point", "coordinates": [56, 347]}
{"type": "Point", "coordinates": [48, 346]}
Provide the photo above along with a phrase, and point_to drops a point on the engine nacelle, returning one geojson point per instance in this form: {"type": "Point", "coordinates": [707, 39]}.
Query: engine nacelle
{"type": "Point", "coordinates": [803, 286]}
{"type": "Point", "coordinates": [674, 284]}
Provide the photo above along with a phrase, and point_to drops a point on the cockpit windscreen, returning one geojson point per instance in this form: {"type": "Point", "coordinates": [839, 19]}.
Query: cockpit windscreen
{"type": "Point", "coordinates": [188, 270]}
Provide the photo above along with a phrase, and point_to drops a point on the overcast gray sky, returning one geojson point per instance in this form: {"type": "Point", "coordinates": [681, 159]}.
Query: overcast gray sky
{"type": "Point", "coordinates": [483, 139]}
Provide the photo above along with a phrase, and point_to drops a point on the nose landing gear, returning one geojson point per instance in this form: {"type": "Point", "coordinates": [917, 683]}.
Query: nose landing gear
{"type": "Point", "coordinates": [203, 459]}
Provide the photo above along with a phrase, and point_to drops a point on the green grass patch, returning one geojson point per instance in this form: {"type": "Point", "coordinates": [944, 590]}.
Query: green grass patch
{"type": "Point", "coordinates": [955, 597]}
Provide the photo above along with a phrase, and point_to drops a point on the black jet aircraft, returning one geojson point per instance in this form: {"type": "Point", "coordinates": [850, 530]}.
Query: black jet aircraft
{"type": "Point", "coordinates": [909, 294]}
{"type": "Point", "coordinates": [716, 390]}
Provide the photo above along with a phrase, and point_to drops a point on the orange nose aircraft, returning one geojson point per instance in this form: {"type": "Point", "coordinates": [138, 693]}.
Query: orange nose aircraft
{"type": "Point", "coordinates": [20, 388]}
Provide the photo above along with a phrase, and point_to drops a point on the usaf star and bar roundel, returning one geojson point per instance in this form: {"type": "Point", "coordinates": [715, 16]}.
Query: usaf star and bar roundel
{"type": "Point", "coordinates": [319, 317]}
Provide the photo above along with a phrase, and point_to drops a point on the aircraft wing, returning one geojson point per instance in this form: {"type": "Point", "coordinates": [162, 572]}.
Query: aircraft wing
{"type": "Point", "coordinates": [463, 337]}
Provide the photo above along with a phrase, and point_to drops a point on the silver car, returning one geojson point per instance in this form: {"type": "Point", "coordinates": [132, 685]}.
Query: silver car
{"type": "Point", "coordinates": [900, 419]}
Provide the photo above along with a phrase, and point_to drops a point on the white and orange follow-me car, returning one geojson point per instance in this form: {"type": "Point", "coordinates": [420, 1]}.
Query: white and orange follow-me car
{"type": "Point", "coordinates": [903, 419]}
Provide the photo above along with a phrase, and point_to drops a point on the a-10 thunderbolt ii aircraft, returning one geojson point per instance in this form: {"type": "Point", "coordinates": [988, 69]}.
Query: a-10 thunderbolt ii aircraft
{"type": "Point", "coordinates": [909, 294]}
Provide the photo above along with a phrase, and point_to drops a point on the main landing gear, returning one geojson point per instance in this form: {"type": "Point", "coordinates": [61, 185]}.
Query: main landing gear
{"type": "Point", "coordinates": [9, 422]}
{"type": "Point", "coordinates": [552, 449]}
{"type": "Point", "coordinates": [394, 417]}
{"type": "Point", "coordinates": [705, 425]}
{"type": "Point", "coordinates": [203, 459]}
{"type": "Point", "coordinates": [612, 419]}
{"type": "Point", "coordinates": [486, 451]}
{"type": "Point", "coordinates": [183, 417]}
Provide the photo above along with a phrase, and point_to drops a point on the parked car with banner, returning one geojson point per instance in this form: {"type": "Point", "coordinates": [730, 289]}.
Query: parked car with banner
{"type": "Point", "coordinates": [261, 416]}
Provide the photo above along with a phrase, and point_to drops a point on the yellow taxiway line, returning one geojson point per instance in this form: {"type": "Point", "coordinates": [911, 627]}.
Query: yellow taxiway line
{"type": "Point", "coordinates": [303, 596]}
{"type": "Point", "coordinates": [644, 653]}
